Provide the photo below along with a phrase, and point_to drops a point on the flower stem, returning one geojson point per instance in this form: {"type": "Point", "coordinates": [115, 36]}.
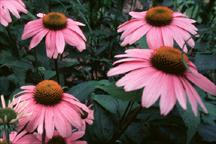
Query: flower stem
{"type": "Point", "coordinates": [57, 69]}
{"type": "Point", "coordinates": [129, 119]}
{"type": "Point", "coordinates": [7, 134]}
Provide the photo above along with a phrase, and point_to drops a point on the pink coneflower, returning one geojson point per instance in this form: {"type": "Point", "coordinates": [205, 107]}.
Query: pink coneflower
{"type": "Point", "coordinates": [58, 139]}
{"type": "Point", "coordinates": [161, 26]}
{"type": "Point", "coordinates": [57, 29]}
{"type": "Point", "coordinates": [163, 74]}
{"type": "Point", "coordinates": [10, 6]}
{"type": "Point", "coordinates": [51, 109]}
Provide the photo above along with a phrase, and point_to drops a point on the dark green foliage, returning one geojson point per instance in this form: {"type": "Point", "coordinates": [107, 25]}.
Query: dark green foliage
{"type": "Point", "coordinates": [84, 74]}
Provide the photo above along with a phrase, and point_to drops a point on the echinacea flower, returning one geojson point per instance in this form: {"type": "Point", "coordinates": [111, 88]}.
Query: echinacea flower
{"type": "Point", "coordinates": [10, 115]}
{"type": "Point", "coordinates": [162, 27]}
{"type": "Point", "coordinates": [51, 109]}
{"type": "Point", "coordinates": [163, 74]}
{"type": "Point", "coordinates": [58, 139]}
{"type": "Point", "coordinates": [58, 30]}
{"type": "Point", "coordinates": [10, 6]}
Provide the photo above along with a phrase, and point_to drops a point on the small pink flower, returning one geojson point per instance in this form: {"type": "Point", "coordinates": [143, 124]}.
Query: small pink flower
{"type": "Point", "coordinates": [10, 6]}
{"type": "Point", "coordinates": [161, 26]}
{"type": "Point", "coordinates": [163, 74]}
{"type": "Point", "coordinates": [22, 138]}
{"type": "Point", "coordinates": [58, 30]}
{"type": "Point", "coordinates": [51, 109]}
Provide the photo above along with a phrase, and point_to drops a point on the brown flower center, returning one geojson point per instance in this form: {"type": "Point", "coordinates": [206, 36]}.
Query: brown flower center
{"type": "Point", "coordinates": [48, 92]}
{"type": "Point", "coordinates": [159, 16]}
{"type": "Point", "coordinates": [169, 60]}
{"type": "Point", "coordinates": [55, 21]}
{"type": "Point", "coordinates": [57, 140]}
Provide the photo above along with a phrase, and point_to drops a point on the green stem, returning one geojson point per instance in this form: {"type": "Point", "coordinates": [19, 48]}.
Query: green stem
{"type": "Point", "coordinates": [13, 41]}
{"type": "Point", "coordinates": [57, 70]}
{"type": "Point", "coordinates": [7, 134]}
{"type": "Point", "coordinates": [129, 119]}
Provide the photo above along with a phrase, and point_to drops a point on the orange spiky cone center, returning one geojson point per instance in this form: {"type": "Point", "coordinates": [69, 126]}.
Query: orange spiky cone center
{"type": "Point", "coordinates": [169, 60]}
{"type": "Point", "coordinates": [55, 21]}
{"type": "Point", "coordinates": [159, 16]}
{"type": "Point", "coordinates": [48, 92]}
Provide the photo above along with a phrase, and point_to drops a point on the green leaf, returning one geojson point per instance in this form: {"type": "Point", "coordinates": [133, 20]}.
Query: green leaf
{"type": "Point", "coordinates": [117, 92]}
{"type": "Point", "coordinates": [107, 102]}
{"type": "Point", "coordinates": [83, 90]}
{"type": "Point", "coordinates": [142, 42]}
{"type": "Point", "coordinates": [192, 122]}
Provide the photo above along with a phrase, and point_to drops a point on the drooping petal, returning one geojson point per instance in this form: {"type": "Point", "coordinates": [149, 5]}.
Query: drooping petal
{"type": "Point", "coordinates": [37, 38]}
{"type": "Point", "coordinates": [154, 38]}
{"type": "Point", "coordinates": [60, 42]}
{"type": "Point", "coordinates": [201, 81]}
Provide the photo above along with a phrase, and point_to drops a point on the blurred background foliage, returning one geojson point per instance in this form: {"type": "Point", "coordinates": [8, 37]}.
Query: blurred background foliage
{"type": "Point", "coordinates": [84, 74]}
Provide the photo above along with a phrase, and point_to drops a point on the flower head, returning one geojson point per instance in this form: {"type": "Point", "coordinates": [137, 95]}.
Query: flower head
{"type": "Point", "coordinates": [10, 6]}
{"type": "Point", "coordinates": [11, 114]}
{"type": "Point", "coordinates": [161, 26]}
{"type": "Point", "coordinates": [164, 73]}
{"type": "Point", "coordinates": [58, 30]}
{"type": "Point", "coordinates": [51, 109]}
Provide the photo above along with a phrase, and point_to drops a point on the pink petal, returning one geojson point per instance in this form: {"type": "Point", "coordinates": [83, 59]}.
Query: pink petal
{"type": "Point", "coordinates": [154, 38]}
{"type": "Point", "coordinates": [49, 122]}
{"type": "Point", "coordinates": [168, 98]}
{"type": "Point", "coordinates": [37, 38]}
{"type": "Point", "coordinates": [201, 81]}
{"type": "Point", "coordinates": [135, 83]}
{"type": "Point", "coordinates": [185, 25]}
{"type": "Point", "coordinates": [144, 54]}
{"type": "Point", "coordinates": [167, 36]}
{"type": "Point", "coordinates": [136, 35]}
{"type": "Point", "coordinates": [178, 38]}
{"type": "Point", "coordinates": [138, 15]}
{"type": "Point", "coordinates": [131, 27]}
{"type": "Point", "coordinates": [152, 90]}
{"type": "Point", "coordinates": [76, 29]}
{"type": "Point", "coordinates": [32, 28]}
{"type": "Point", "coordinates": [74, 40]}
{"type": "Point", "coordinates": [60, 42]}
{"type": "Point", "coordinates": [126, 67]}
{"type": "Point", "coordinates": [190, 95]}
{"type": "Point", "coordinates": [59, 123]}
{"type": "Point", "coordinates": [49, 50]}
{"type": "Point", "coordinates": [180, 92]}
